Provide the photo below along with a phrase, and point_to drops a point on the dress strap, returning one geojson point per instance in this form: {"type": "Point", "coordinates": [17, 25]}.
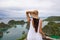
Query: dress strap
{"type": "Point", "coordinates": [31, 22]}
{"type": "Point", "coordinates": [39, 26]}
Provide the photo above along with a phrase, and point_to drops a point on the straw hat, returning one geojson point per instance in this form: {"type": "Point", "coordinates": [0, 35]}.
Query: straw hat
{"type": "Point", "coordinates": [34, 14]}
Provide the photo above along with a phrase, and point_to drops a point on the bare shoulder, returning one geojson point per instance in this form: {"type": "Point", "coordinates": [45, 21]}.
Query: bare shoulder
{"type": "Point", "coordinates": [40, 20]}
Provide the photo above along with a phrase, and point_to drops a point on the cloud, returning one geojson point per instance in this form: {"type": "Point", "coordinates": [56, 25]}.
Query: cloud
{"type": "Point", "coordinates": [11, 13]}
{"type": "Point", "coordinates": [26, 3]}
{"type": "Point", "coordinates": [17, 8]}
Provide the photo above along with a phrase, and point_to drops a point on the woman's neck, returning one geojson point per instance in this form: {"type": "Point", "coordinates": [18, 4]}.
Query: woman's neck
{"type": "Point", "coordinates": [36, 18]}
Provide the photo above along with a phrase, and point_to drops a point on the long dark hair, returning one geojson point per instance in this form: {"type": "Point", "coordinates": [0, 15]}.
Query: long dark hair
{"type": "Point", "coordinates": [35, 23]}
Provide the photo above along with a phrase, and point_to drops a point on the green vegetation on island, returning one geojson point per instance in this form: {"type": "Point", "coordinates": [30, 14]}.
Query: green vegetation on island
{"type": "Point", "coordinates": [52, 28]}
{"type": "Point", "coordinates": [11, 23]}
{"type": "Point", "coordinates": [4, 27]}
{"type": "Point", "coordinates": [53, 18]}
{"type": "Point", "coordinates": [23, 37]}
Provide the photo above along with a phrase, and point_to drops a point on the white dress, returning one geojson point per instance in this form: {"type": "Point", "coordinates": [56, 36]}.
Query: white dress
{"type": "Point", "coordinates": [32, 35]}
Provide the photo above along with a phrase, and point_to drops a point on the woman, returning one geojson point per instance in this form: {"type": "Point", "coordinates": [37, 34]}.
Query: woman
{"type": "Point", "coordinates": [35, 30]}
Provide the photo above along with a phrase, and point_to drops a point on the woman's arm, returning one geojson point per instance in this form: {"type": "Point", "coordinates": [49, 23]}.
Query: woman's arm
{"type": "Point", "coordinates": [27, 14]}
{"type": "Point", "coordinates": [40, 30]}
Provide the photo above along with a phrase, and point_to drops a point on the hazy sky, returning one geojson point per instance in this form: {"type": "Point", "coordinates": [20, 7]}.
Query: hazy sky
{"type": "Point", "coordinates": [17, 8]}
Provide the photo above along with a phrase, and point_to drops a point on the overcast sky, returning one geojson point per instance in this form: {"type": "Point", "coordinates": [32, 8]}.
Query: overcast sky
{"type": "Point", "coordinates": [17, 8]}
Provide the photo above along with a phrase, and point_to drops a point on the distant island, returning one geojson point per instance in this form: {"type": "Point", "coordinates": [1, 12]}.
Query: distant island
{"type": "Point", "coordinates": [53, 18]}
{"type": "Point", "coordinates": [52, 29]}
{"type": "Point", "coordinates": [10, 24]}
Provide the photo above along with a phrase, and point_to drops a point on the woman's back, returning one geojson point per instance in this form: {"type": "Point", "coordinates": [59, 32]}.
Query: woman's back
{"type": "Point", "coordinates": [32, 28]}
{"type": "Point", "coordinates": [32, 34]}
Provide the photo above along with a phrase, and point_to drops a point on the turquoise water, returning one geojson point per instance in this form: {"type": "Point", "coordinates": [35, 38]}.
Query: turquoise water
{"type": "Point", "coordinates": [13, 33]}
{"type": "Point", "coordinates": [56, 37]}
